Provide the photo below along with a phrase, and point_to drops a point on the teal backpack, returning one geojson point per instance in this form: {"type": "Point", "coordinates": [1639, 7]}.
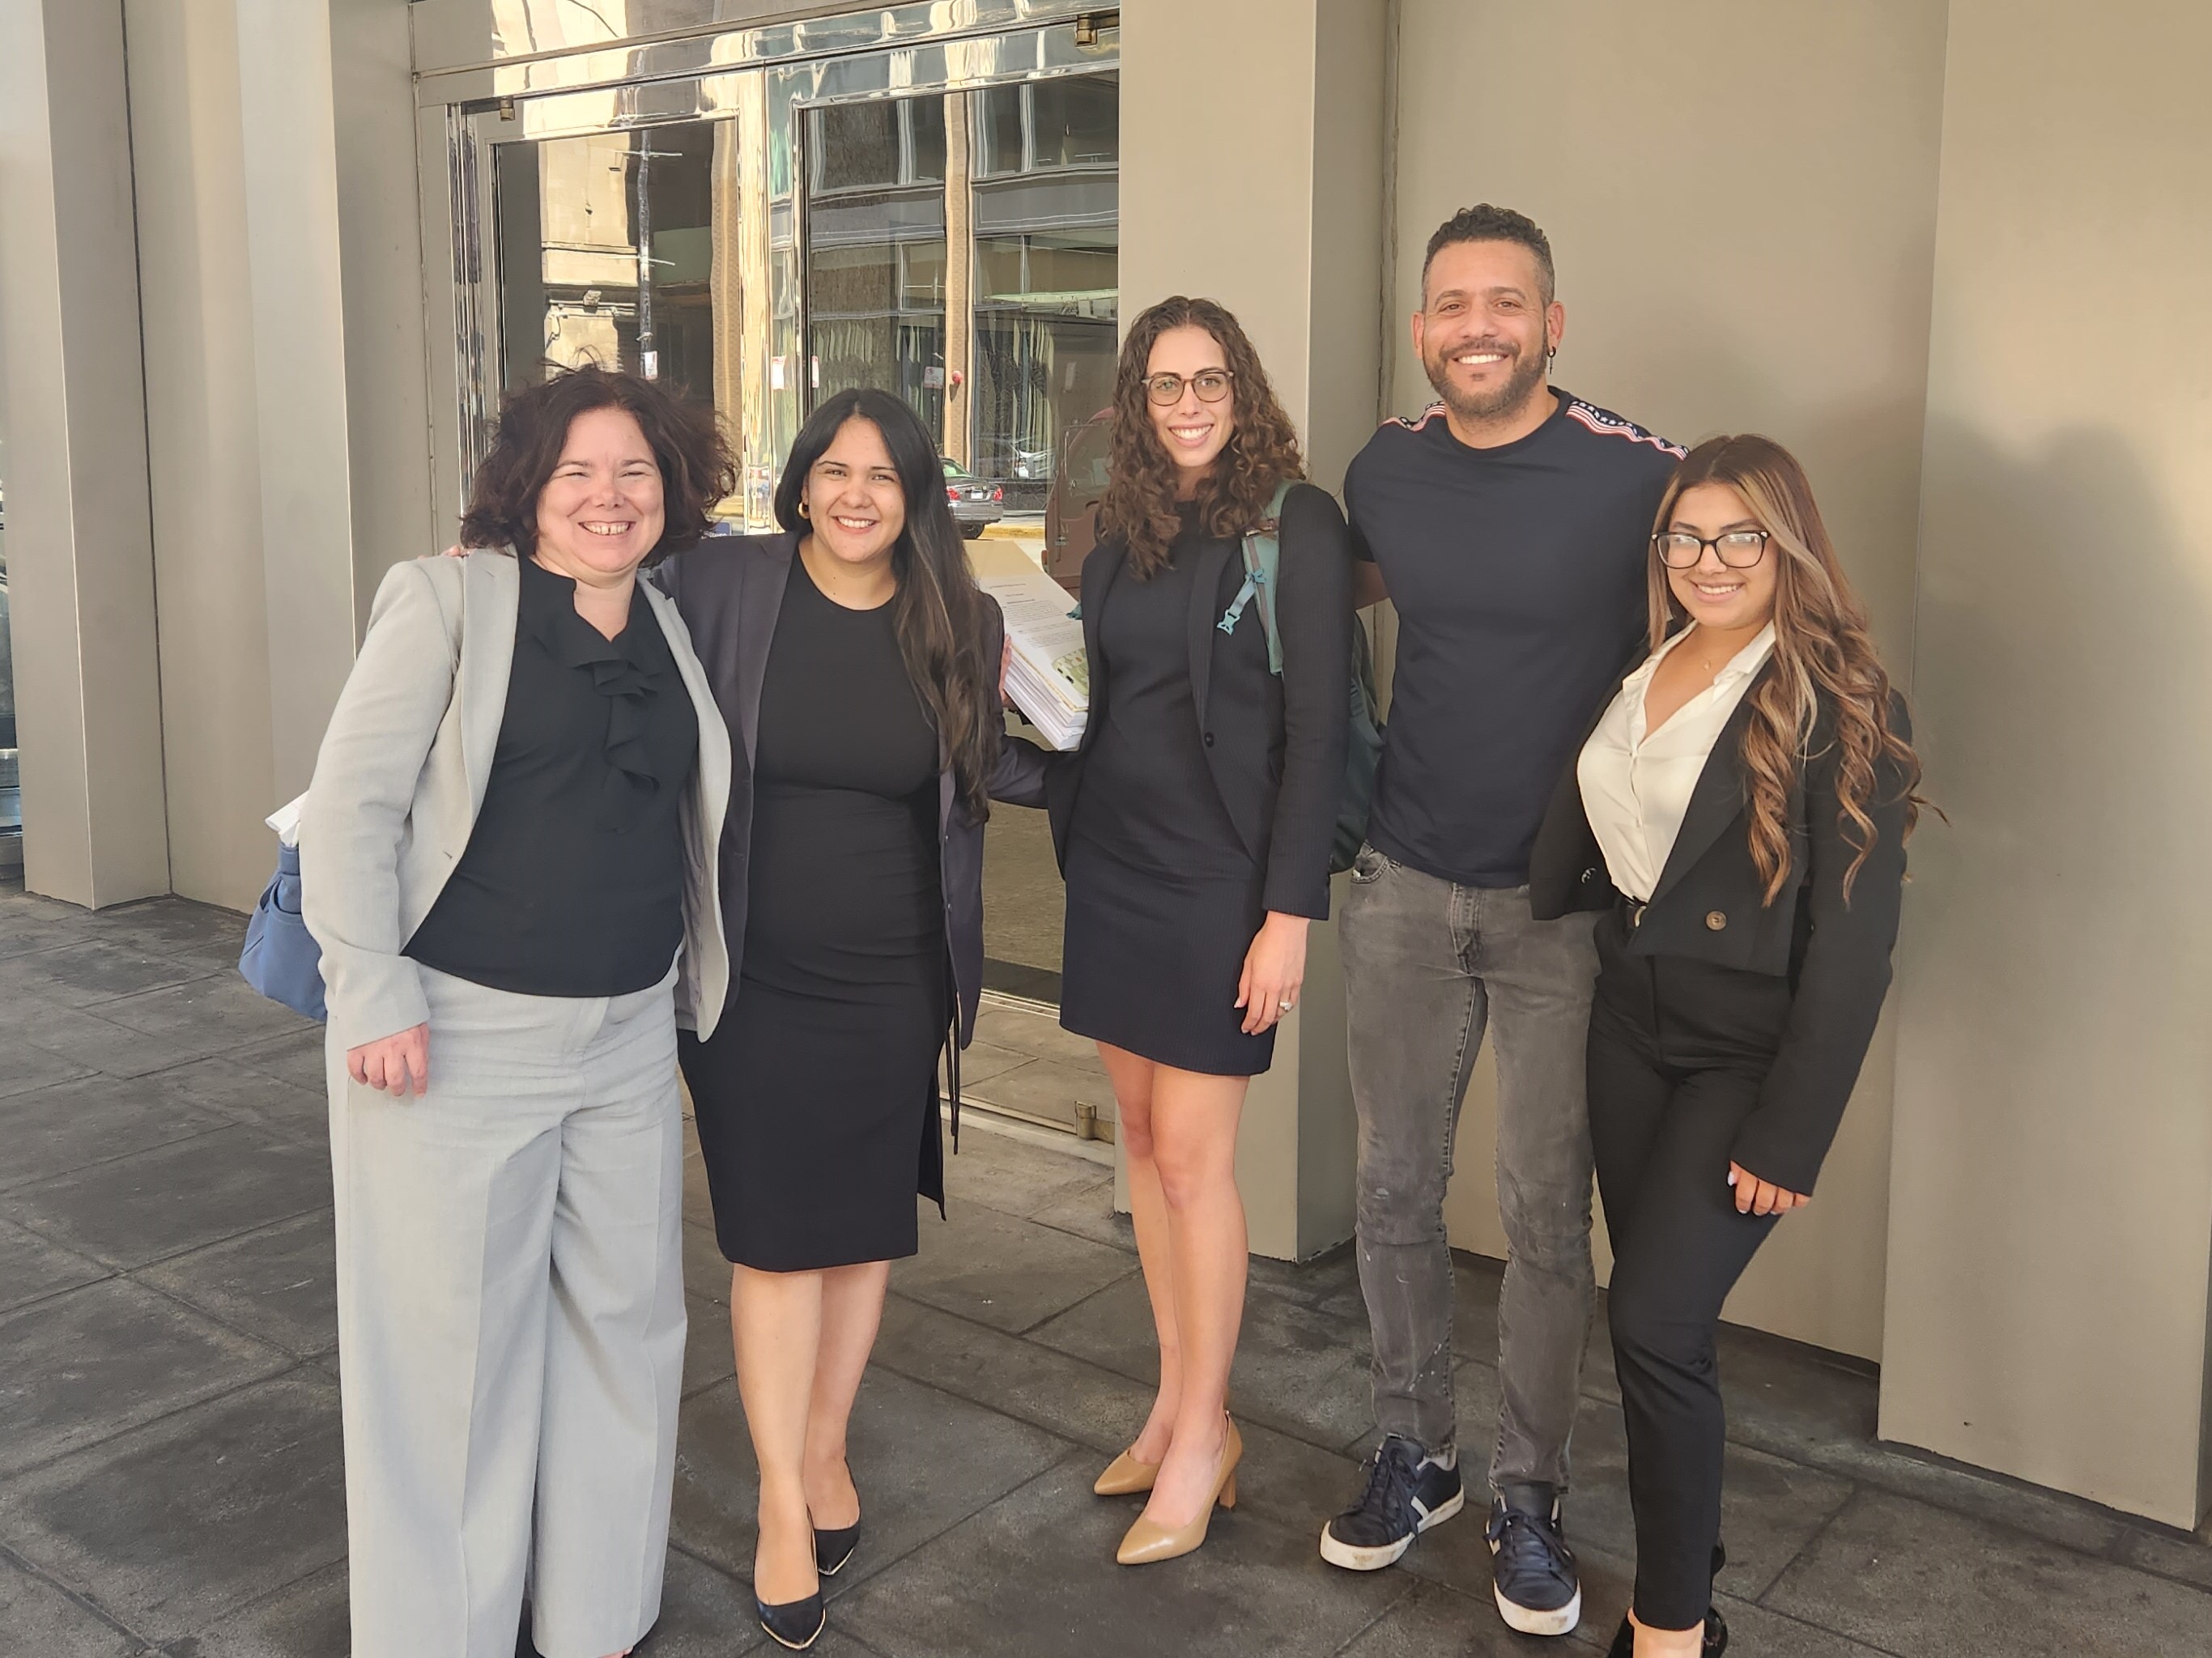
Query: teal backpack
{"type": "Point", "coordinates": [1263, 557]}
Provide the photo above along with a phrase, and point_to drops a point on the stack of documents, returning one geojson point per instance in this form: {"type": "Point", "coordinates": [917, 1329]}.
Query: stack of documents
{"type": "Point", "coordinates": [1048, 677]}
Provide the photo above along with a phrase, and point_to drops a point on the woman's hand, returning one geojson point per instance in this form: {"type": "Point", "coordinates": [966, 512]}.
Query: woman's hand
{"type": "Point", "coordinates": [396, 1066]}
{"type": "Point", "coordinates": [1274, 971]}
{"type": "Point", "coordinates": [1754, 1196]}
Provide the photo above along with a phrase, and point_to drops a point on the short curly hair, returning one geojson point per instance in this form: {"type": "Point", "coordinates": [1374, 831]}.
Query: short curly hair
{"type": "Point", "coordinates": [1485, 223]}
{"type": "Point", "coordinates": [697, 470]}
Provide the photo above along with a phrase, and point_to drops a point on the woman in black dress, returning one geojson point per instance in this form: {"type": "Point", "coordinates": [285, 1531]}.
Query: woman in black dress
{"type": "Point", "coordinates": [1194, 825]}
{"type": "Point", "coordinates": [858, 662]}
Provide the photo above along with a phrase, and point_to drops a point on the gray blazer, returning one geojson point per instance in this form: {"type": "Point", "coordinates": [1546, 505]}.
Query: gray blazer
{"type": "Point", "coordinates": [401, 778]}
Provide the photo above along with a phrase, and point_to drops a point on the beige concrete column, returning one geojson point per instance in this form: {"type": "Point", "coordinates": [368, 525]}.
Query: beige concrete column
{"type": "Point", "coordinates": [1257, 186]}
{"type": "Point", "coordinates": [2051, 1232]}
{"type": "Point", "coordinates": [289, 122]}
{"type": "Point", "coordinates": [79, 557]}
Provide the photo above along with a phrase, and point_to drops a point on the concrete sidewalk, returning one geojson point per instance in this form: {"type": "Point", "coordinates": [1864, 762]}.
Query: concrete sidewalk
{"type": "Point", "coordinates": [169, 1457]}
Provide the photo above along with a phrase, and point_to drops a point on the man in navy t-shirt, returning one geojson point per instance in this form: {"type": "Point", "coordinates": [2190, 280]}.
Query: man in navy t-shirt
{"type": "Point", "coordinates": [1510, 525]}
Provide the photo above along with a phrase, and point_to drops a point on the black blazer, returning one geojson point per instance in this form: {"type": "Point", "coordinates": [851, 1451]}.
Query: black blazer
{"type": "Point", "coordinates": [729, 591]}
{"type": "Point", "coordinates": [1274, 746]}
{"type": "Point", "coordinates": [1710, 904]}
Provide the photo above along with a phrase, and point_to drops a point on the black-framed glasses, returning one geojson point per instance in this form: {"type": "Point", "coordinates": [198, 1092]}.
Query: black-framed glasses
{"type": "Point", "coordinates": [1212, 385]}
{"type": "Point", "coordinates": [1738, 548]}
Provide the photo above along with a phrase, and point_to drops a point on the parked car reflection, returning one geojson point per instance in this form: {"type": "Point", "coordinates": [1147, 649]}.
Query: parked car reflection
{"type": "Point", "coordinates": [976, 502]}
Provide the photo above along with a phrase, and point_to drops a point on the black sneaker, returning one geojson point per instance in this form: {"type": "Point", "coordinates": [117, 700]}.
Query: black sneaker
{"type": "Point", "coordinates": [1539, 1591]}
{"type": "Point", "coordinates": [1405, 1495]}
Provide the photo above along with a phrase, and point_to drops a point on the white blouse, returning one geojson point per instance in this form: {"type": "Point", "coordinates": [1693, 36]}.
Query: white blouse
{"type": "Point", "coordinates": [1636, 786]}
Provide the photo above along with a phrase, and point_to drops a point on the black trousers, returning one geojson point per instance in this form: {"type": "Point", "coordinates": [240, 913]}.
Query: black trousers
{"type": "Point", "coordinates": [1678, 1050]}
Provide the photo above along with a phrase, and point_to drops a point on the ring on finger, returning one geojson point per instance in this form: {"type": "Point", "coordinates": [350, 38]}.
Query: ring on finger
{"type": "Point", "coordinates": [1285, 1006]}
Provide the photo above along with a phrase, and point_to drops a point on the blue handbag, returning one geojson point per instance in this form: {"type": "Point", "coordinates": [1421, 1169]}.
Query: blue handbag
{"type": "Point", "coordinates": [282, 959]}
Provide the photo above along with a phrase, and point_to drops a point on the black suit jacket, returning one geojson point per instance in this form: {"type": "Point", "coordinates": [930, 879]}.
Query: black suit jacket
{"type": "Point", "coordinates": [1710, 904]}
{"type": "Point", "coordinates": [1274, 746]}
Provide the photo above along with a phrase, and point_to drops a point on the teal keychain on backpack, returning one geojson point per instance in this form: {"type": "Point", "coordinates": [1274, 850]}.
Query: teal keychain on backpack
{"type": "Point", "coordinates": [1263, 558]}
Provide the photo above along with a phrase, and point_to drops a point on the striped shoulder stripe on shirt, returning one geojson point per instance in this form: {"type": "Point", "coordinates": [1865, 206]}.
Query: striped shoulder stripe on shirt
{"type": "Point", "coordinates": [1608, 424]}
{"type": "Point", "coordinates": [1415, 423]}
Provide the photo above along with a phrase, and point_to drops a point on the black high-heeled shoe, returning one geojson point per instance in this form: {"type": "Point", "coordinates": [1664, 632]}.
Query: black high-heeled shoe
{"type": "Point", "coordinates": [795, 1624]}
{"type": "Point", "coordinates": [832, 1549]}
{"type": "Point", "coordinates": [1716, 1631]}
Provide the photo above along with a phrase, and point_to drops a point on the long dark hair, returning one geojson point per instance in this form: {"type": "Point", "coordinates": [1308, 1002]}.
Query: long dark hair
{"type": "Point", "coordinates": [1823, 651]}
{"type": "Point", "coordinates": [938, 613]}
{"type": "Point", "coordinates": [695, 467]}
{"type": "Point", "coordinates": [1262, 451]}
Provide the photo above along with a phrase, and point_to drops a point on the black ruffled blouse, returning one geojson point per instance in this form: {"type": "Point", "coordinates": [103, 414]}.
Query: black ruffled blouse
{"type": "Point", "coordinates": [573, 881]}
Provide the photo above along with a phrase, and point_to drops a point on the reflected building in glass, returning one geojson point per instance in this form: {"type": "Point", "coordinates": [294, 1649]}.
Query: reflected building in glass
{"type": "Point", "coordinates": [956, 248]}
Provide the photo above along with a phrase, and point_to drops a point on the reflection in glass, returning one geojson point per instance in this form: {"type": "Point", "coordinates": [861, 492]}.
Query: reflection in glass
{"type": "Point", "coordinates": [960, 250]}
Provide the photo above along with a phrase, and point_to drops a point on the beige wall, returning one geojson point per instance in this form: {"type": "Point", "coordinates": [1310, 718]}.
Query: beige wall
{"type": "Point", "coordinates": [81, 570]}
{"type": "Point", "coordinates": [1281, 222]}
{"type": "Point", "coordinates": [2052, 1200]}
{"type": "Point", "coordinates": [1741, 199]}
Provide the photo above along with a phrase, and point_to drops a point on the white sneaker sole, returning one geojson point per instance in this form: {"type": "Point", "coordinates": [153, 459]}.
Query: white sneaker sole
{"type": "Point", "coordinates": [1354, 1558]}
{"type": "Point", "coordinates": [1529, 1621]}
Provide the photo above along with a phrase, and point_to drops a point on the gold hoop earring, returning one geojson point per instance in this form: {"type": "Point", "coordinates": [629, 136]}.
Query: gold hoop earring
{"type": "Point", "coordinates": [803, 512]}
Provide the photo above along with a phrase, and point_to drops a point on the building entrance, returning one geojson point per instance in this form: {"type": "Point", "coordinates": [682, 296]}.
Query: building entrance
{"type": "Point", "coordinates": [767, 217]}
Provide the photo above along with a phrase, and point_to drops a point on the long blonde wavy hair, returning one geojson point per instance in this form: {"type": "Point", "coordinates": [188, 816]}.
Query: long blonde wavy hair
{"type": "Point", "coordinates": [1823, 651]}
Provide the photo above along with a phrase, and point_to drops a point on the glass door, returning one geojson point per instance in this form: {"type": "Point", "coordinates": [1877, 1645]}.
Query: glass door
{"type": "Point", "coordinates": [937, 219]}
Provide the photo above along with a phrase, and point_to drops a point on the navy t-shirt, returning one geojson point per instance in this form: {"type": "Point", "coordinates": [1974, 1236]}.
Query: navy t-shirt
{"type": "Point", "coordinates": [1519, 575]}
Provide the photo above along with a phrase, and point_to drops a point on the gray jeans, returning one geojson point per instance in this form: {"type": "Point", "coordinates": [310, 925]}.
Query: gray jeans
{"type": "Point", "coordinates": [1427, 965]}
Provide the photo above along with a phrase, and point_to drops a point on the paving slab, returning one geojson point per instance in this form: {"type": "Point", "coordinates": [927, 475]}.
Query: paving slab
{"type": "Point", "coordinates": [171, 1526]}
{"type": "Point", "coordinates": [79, 1367]}
{"type": "Point", "coordinates": [279, 1284]}
{"type": "Point", "coordinates": [35, 1617]}
{"type": "Point", "coordinates": [68, 1126]}
{"type": "Point", "coordinates": [245, 1094]}
{"type": "Point", "coordinates": [308, 1618]}
{"type": "Point", "coordinates": [1091, 1406]}
{"type": "Point", "coordinates": [1433, 1621]}
{"type": "Point", "coordinates": [173, 926]}
{"type": "Point", "coordinates": [97, 969]}
{"type": "Point", "coordinates": [1047, 1089]}
{"type": "Point", "coordinates": [1088, 1211]}
{"type": "Point", "coordinates": [30, 923]}
{"type": "Point", "coordinates": [172, 1198]}
{"type": "Point", "coordinates": [1769, 1507]}
{"type": "Point", "coordinates": [1019, 1177]}
{"type": "Point", "coordinates": [212, 1015]}
{"type": "Point", "coordinates": [25, 1065]}
{"type": "Point", "coordinates": [31, 1268]}
{"type": "Point", "coordinates": [299, 1058]}
{"type": "Point", "coordinates": [1036, 1033]}
{"type": "Point", "coordinates": [1296, 1369]}
{"type": "Point", "coordinates": [1906, 1577]}
{"type": "Point", "coordinates": [1012, 1274]}
{"type": "Point", "coordinates": [1034, 1573]}
{"type": "Point", "coordinates": [709, 1355]}
{"type": "Point", "coordinates": [93, 1042]}
{"type": "Point", "coordinates": [923, 1460]}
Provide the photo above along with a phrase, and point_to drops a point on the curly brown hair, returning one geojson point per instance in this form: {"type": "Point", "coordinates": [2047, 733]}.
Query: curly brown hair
{"type": "Point", "coordinates": [1262, 451]}
{"type": "Point", "coordinates": [696, 469]}
{"type": "Point", "coordinates": [1824, 653]}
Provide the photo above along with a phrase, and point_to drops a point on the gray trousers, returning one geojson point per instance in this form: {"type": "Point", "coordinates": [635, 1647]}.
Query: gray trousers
{"type": "Point", "coordinates": [510, 1284]}
{"type": "Point", "coordinates": [1428, 965]}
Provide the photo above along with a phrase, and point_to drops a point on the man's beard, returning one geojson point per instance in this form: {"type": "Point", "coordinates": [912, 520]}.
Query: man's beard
{"type": "Point", "coordinates": [1520, 386]}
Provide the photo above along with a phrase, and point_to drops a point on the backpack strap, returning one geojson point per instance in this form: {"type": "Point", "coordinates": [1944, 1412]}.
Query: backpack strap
{"type": "Point", "coordinates": [1263, 558]}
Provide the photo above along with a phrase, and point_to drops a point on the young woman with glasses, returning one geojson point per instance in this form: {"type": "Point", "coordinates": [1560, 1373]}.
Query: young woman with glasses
{"type": "Point", "coordinates": [1741, 807]}
{"type": "Point", "coordinates": [1194, 826]}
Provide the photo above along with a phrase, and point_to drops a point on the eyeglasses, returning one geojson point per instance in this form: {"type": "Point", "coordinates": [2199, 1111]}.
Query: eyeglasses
{"type": "Point", "coordinates": [1739, 549]}
{"type": "Point", "coordinates": [1212, 385]}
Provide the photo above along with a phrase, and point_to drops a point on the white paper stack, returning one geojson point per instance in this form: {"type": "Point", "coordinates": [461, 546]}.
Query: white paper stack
{"type": "Point", "coordinates": [1048, 677]}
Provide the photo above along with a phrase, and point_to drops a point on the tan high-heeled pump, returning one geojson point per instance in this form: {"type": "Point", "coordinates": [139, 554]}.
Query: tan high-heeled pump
{"type": "Point", "coordinates": [1126, 1476]}
{"type": "Point", "coordinates": [1148, 1540]}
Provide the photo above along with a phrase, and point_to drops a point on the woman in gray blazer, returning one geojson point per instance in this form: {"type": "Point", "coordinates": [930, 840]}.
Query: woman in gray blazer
{"type": "Point", "coordinates": [507, 856]}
